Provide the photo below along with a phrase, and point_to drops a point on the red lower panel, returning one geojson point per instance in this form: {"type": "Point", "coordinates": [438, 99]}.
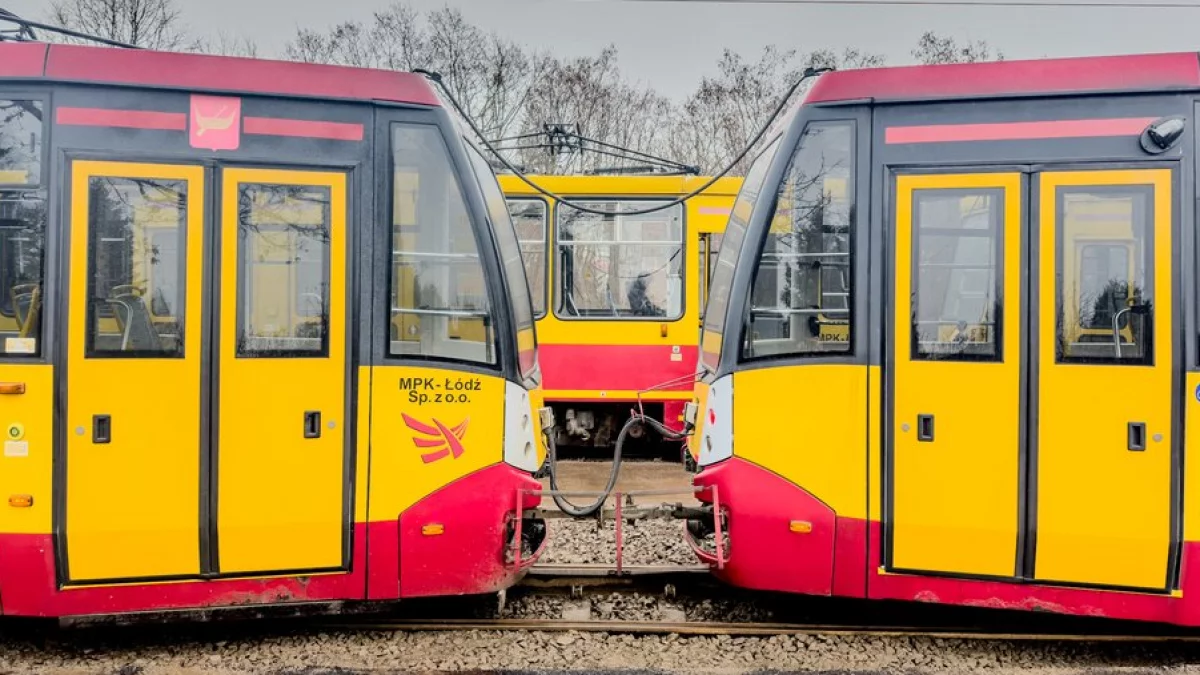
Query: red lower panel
{"type": "Point", "coordinates": [1004, 595]}
{"type": "Point", "coordinates": [28, 586]}
{"type": "Point", "coordinates": [615, 367]}
{"type": "Point", "coordinates": [764, 553]}
{"type": "Point", "coordinates": [468, 556]}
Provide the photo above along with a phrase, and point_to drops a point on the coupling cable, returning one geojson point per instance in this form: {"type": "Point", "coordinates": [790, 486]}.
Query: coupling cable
{"type": "Point", "coordinates": [809, 72]}
{"type": "Point", "coordinates": [552, 463]}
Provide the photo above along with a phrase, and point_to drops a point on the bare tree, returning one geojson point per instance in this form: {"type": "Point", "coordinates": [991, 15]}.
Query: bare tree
{"type": "Point", "coordinates": [591, 92]}
{"type": "Point", "coordinates": [225, 44]}
{"type": "Point", "coordinates": [933, 49]}
{"type": "Point", "coordinates": [721, 117]}
{"type": "Point", "coordinates": [490, 76]}
{"type": "Point", "coordinates": [154, 24]}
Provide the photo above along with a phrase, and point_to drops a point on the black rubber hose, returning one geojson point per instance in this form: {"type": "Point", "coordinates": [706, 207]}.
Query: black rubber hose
{"type": "Point", "coordinates": [552, 464]}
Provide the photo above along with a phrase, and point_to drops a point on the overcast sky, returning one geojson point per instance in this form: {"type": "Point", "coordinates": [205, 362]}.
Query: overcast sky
{"type": "Point", "coordinates": [670, 45]}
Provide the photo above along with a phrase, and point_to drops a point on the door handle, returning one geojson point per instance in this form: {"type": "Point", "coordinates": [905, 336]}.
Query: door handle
{"type": "Point", "coordinates": [925, 428]}
{"type": "Point", "coordinates": [1136, 432]}
{"type": "Point", "coordinates": [312, 424]}
{"type": "Point", "coordinates": [101, 428]}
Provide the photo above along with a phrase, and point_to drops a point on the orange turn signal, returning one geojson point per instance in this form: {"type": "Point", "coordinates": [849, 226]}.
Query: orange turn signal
{"type": "Point", "coordinates": [20, 501]}
{"type": "Point", "coordinates": [12, 387]}
{"type": "Point", "coordinates": [800, 526]}
{"type": "Point", "coordinates": [433, 529]}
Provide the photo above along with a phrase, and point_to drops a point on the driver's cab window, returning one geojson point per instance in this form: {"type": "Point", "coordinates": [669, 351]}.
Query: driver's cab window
{"type": "Point", "coordinates": [439, 299]}
{"type": "Point", "coordinates": [800, 300]}
{"type": "Point", "coordinates": [620, 266]}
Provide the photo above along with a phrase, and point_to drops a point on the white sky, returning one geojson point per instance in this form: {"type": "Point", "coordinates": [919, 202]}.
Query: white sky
{"type": "Point", "coordinates": [670, 45]}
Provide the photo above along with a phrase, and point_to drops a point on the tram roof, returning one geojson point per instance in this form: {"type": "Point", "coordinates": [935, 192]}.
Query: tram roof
{"type": "Point", "coordinates": [176, 70]}
{"type": "Point", "coordinates": [1035, 77]}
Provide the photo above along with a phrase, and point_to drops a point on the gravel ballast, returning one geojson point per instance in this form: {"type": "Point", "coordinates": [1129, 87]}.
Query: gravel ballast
{"type": "Point", "coordinates": [414, 652]}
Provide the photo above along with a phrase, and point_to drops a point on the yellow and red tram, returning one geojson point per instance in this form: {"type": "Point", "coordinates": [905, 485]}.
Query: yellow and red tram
{"type": "Point", "coordinates": [950, 352]}
{"type": "Point", "coordinates": [619, 298]}
{"type": "Point", "coordinates": [264, 337]}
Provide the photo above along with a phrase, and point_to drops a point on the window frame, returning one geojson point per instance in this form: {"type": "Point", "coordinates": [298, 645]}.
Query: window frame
{"type": "Point", "coordinates": [245, 284]}
{"type": "Point", "coordinates": [1147, 248]}
{"type": "Point", "coordinates": [547, 216]}
{"type": "Point", "coordinates": [626, 201]}
{"type": "Point", "coordinates": [996, 235]}
{"type": "Point", "coordinates": [504, 361]}
{"type": "Point", "coordinates": [44, 99]}
{"type": "Point", "coordinates": [92, 312]}
{"type": "Point", "coordinates": [758, 229]}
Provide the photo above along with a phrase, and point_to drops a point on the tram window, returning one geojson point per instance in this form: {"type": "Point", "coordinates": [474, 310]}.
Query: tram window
{"type": "Point", "coordinates": [20, 142]}
{"type": "Point", "coordinates": [440, 306]}
{"type": "Point", "coordinates": [720, 288]}
{"type": "Point", "coordinates": [22, 239]}
{"type": "Point", "coordinates": [619, 266]}
{"type": "Point", "coordinates": [529, 218]}
{"type": "Point", "coordinates": [125, 217]}
{"type": "Point", "coordinates": [800, 300]}
{"type": "Point", "coordinates": [509, 248]}
{"type": "Point", "coordinates": [957, 259]}
{"type": "Point", "coordinates": [1104, 257]}
{"type": "Point", "coordinates": [283, 294]}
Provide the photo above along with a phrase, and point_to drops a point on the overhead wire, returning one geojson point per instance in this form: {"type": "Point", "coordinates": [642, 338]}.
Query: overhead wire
{"type": "Point", "coordinates": [808, 74]}
{"type": "Point", "coordinates": [1157, 4]}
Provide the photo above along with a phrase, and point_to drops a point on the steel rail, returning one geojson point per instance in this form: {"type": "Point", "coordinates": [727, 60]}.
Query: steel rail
{"type": "Point", "coordinates": [706, 628]}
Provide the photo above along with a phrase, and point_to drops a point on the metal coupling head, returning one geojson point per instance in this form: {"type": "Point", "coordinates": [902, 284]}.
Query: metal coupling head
{"type": "Point", "coordinates": [690, 411]}
{"type": "Point", "coordinates": [546, 418]}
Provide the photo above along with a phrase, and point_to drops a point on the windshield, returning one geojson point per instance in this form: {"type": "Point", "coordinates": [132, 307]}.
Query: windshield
{"type": "Point", "coordinates": [731, 245]}
{"type": "Point", "coordinates": [514, 264]}
{"type": "Point", "coordinates": [620, 266]}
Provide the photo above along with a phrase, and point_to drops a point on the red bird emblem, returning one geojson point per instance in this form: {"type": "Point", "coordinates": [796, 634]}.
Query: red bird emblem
{"type": "Point", "coordinates": [444, 440]}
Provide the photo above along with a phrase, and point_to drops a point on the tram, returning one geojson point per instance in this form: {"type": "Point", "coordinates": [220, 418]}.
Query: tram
{"type": "Point", "coordinates": [266, 339]}
{"type": "Point", "coordinates": [618, 298]}
{"type": "Point", "coordinates": [950, 352]}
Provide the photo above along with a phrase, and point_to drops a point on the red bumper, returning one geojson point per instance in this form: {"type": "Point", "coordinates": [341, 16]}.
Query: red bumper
{"type": "Point", "coordinates": [472, 552]}
{"type": "Point", "coordinates": [781, 538]}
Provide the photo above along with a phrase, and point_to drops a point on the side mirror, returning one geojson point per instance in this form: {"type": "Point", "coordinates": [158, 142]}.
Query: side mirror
{"type": "Point", "coordinates": [1162, 134]}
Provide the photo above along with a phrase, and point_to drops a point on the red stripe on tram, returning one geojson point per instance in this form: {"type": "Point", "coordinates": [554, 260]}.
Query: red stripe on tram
{"type": "Point", "coordinates": [126, 119]}
{"type": "Point", "coordinates": [1014, 131]}
{"type": "Point", "coordinates": [273, 126]}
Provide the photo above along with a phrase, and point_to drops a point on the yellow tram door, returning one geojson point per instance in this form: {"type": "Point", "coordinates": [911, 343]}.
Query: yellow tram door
{"type": "Point", "coordinates": [1103, 448]}
{"type": "Point", "coordinates": [133, 369]}
{"type": "Point", "coordinates": [282, 372]}
{"type": "Point", "coordinates": [956, 379]}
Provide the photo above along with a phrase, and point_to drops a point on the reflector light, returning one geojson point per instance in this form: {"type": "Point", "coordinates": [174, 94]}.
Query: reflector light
{"type": "Point", "coordinates": [800, 526]}
{"type": "Point", "coordinates": [433, 529]}
{"type": "Point", "coordinates": [12, 387]}
{"type": "Point", "coordinates": [20, 501]}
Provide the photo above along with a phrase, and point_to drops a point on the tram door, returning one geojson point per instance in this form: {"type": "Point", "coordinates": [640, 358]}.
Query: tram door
{"type": "Point", "coordinates": [1031, 383]}
{"type": "Point", "coordinates": [956, 380]}
{"type": "Point", "coordinates": [134, 344]}
{"type": "Point", "coordinates": [1104, 423]}
{"type": "Point", "coordinates": [281, 451]}
{"type": "Point", "coordinates": [204, 405]}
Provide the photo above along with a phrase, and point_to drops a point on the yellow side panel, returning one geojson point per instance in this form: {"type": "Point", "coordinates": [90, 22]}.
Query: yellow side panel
{"type": "Point", "coordinates": [280, 495]}
{"type": "Point", "coordinates": [954, 503]}
{"type": "Point", "coordinates": [819, 445]}
{"type": "Point", "coordinates": [362, 469]}
{"type": "Point", "coordinates": [411, 456]}
{"type": "Point", "coordinates": [1103, 511]}
{"type": "Point", "coordinates": [26, 423]}
{"type": "Point", "coordinates": [874, 443]}
{"type": "Point", "coordinates": [1191, 477]}
{"type": "Point", "coordinates": [133, 505]}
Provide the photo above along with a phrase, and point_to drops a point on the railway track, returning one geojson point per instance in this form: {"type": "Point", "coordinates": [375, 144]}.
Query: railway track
{"type": "Point", "coordinates": [741, 629]}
